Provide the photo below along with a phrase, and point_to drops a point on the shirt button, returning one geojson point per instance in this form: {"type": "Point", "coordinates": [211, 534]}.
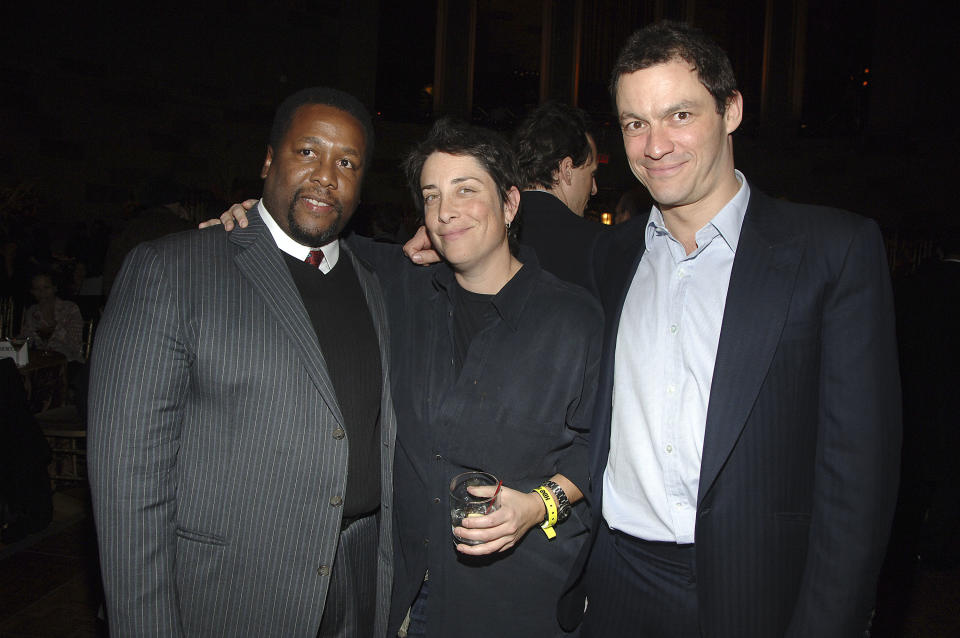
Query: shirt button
{"type": "Point", "coordinates": [324, 570]}
{"type": "Point", "coordinates": [336, 501]}
{"type": "Point", "coordinates": [681, 272]}
{"type": "Point", "coordinates": [436, 500]}
{"type": "Point", "coordinates": [679, 505]}
{"type": "Point", "coordinates": [671, 389]}
{"type": "Point", "coordinates": [339, 433]}
{"type": "Point", "coordinates": [669, 449]}
{"type": "Point", "coordinates": [673, 329]}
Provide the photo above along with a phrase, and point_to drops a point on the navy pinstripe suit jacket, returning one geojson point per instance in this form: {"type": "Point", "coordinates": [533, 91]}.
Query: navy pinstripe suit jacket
{"type": "Point", "coordinates": [800, 460]}
{"type": "Point", "coordinates": [216, 464]}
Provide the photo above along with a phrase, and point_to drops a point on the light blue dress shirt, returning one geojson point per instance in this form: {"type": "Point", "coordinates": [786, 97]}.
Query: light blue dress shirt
{"type": "Point", "coordinates": [666, 348]}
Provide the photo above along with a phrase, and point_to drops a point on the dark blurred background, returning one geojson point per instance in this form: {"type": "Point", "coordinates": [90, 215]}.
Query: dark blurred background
{"type": "Point", "coordinates": [846, 102]}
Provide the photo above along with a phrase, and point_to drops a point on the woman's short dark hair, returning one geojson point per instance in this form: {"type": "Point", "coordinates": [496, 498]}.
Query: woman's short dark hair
{"type": "Point", "coordinates": [455, 137]}
{"type": "Point", "coordinates": [666, 41]}
{"type": "Point", "coordinates": [548, 134]}
{"type": "Point", "coordinates": [336, 98]}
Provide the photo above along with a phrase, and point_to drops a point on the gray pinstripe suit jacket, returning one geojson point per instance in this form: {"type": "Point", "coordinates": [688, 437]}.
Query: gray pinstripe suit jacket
{"type": "Point", "coordinates": [214, 466]}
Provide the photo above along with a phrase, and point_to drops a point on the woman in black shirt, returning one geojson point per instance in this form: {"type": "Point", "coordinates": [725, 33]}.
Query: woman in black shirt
{"type": "Point", "coordinates": [494, 365]}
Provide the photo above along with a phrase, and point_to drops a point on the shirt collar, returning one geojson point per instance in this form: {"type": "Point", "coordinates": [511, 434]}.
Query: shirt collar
{"type": "Point", "coordinates": [512, 298]}
{"type": "Point", "coordinates": [728, 221]}
{"type": "Point", "coordinates": [331, 250]}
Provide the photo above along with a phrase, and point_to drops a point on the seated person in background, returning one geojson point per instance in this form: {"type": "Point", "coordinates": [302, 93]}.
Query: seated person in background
{"type": "Point", "coordinates": [53, 323]}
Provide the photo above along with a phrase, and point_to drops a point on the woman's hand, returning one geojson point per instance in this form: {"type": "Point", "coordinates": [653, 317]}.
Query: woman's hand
{"type": "Point", "coordinates": [236, 212]}
{"type": "Point", "coordinates": [499, 531]}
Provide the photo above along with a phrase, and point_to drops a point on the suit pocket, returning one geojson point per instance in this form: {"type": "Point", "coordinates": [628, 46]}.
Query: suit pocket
{"type": "Point", "coordinates": [200, 537]}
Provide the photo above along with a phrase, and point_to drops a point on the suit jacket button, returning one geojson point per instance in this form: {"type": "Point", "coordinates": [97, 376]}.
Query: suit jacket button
{"type": "Point", "coordinates": [336, 501]}
{"type": "Point", "coordinates": [339, 433]}
{"type": "Point", "coordinates": [324, 570]}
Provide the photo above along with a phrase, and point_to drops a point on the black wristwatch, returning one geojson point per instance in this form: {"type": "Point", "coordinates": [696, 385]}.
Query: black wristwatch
{"type": "Point", "coordinates": [563, 504]}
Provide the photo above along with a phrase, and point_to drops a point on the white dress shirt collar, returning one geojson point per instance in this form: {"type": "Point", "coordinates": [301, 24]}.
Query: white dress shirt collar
{"type": "Point", "coordinates": [331, 250]}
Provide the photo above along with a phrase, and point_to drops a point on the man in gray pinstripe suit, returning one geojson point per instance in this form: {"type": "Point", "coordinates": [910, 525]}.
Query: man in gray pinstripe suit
{"type": "Point", "coordinates": [241, 425]}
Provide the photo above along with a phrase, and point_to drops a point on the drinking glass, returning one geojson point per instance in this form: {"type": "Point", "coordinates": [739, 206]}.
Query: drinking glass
{"type": "Point", "coordinates": [463, 504]}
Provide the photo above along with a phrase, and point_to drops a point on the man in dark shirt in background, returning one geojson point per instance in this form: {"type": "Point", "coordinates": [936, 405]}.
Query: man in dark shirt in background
{"type": "Point", "coordinates": [558, 167]}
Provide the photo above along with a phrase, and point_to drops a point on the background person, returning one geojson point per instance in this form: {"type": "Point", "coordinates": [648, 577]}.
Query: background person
{"type": "Point", "coordinates": [53, 323]}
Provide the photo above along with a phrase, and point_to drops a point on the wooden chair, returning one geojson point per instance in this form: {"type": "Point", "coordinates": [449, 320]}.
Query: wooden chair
{"type": "Point", "coordinates": [65, 431]}
{"type": "Point", "coordinates": [68, 448]}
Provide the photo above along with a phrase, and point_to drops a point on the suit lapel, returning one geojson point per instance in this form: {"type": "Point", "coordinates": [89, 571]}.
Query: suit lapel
{"type": "Point", "coordinates": [261, 263]}
{"type": "Point", "coordinates": [371, 293]}
{"type": "Point", "coordinates": [761, 286]}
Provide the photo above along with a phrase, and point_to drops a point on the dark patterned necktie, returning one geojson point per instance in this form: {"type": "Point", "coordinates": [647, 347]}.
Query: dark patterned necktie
{"type": "Point", "coordinates": [314, 258]}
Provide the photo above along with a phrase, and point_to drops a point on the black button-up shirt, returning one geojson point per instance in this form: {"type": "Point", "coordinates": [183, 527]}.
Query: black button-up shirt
{"type": "Point", "coordinates": [519, 409]}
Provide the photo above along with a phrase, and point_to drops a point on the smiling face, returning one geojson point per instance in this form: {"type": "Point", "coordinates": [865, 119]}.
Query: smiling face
{"type": "Point", "coordinates": [463, 213]}
{"type": "Point", "coordinates": [676, 143]}
{"type": "Point", "coordinates": [312, 179]}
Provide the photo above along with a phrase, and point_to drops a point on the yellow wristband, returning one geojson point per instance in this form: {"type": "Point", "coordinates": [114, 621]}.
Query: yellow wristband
{"type": "Point", "coordinates": [551, 519]}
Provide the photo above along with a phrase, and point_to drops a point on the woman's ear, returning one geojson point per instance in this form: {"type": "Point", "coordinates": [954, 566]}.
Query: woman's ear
{"type": "Point", "coordinates": [511, 204]}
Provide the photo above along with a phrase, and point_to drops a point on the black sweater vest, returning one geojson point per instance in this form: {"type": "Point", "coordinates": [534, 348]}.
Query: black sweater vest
{"type": "Point", "coordinates": [348, 341]}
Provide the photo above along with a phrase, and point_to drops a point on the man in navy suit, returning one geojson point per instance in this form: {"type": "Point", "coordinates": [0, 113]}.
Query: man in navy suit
{"type": "Point", "coordinates": [747, 430]}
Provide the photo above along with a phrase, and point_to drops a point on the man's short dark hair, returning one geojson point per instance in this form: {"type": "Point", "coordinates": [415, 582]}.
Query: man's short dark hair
{"type": "Point", "coordinates": [455, 137]}
{"type": "Point", "coordinates": [548, 134]}
{"type": "Point", "coordinates": [329, 97]}
{"type": "Point", "coordinates": [666, 41]}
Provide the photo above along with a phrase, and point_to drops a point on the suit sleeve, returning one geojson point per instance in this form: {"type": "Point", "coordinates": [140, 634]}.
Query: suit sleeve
{"type": "Point", "coordinates": [858, 446]}
{"type": "Point", "coordinates": [387, 260]}
{"type": "Point", "coordinates": [139, 376]}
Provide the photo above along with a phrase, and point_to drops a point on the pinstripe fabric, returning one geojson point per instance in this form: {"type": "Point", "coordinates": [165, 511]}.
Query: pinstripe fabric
{"type": "Point", "coordinates": [801, 452]}
{"type": "Point", "coordinates": [665, 580]}
{"type": "Point", "coordinates": [346, 615]}
{"type": "Point", "coordinates": [214, 468]}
